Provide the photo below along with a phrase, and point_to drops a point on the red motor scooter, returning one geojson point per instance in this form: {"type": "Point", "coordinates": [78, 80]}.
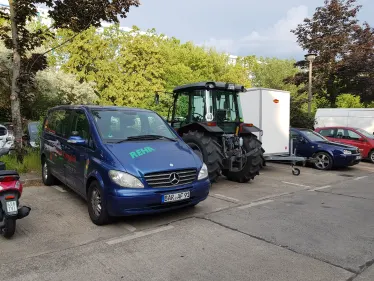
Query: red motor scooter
{"type": "Point", "coordinates": [10, 210]}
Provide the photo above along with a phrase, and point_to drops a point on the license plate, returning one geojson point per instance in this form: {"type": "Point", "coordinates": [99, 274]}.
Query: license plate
{"type": "Point", "coordinates": [175, 197]}
{"type": "Point", "coordinates": [11, 207]}
{"type": "Point", "coordinates": [358, 157]}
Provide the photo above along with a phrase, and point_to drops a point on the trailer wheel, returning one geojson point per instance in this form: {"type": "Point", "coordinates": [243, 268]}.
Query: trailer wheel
{"type": "Point", "coordinates": [254, 162]}
{"type": "Point", "coordinates": [209, 151]}
{"type": "Point", "coordinates": [295, 171]}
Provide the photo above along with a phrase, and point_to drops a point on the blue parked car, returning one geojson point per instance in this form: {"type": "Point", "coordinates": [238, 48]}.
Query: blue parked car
{"type": "Point", "coordinates": [123, 161]}
{"type": "Point", "coordinates": [326, 154]}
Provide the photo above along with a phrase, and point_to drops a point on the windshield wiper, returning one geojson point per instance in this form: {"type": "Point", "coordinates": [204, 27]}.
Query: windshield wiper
{"type": "Point", "coordinates": [146, 137]}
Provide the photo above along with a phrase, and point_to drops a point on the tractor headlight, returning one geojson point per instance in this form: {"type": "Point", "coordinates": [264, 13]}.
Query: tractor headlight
{"type": "Point", "coordinates": [125, 180]}
{"type": "Point", "coordinates": [203, 174]}
{"type": "Point", "coordinates": [347, 152]}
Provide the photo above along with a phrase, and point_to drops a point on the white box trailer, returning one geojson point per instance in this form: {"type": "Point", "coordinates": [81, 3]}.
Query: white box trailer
{"type": "Point", "coordinates": [269, 110]}
{"type": "Point", "coordinates": [362, 118]}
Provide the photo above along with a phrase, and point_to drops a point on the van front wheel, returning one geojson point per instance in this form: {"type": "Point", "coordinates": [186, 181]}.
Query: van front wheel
{"type": "Point", "coordinates": [96, 207]}
{"type": "Point", "coordinates": [48, 178]}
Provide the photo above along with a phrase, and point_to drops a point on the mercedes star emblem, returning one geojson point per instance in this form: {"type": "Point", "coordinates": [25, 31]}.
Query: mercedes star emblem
{"type": "Point", "coordinates": [174, 179]}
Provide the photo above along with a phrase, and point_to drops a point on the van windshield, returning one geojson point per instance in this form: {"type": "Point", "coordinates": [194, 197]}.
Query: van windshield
{"type": "Point", "coordinates": [117, 125]}
{"type": "Point", "coordinates": [365, 133]}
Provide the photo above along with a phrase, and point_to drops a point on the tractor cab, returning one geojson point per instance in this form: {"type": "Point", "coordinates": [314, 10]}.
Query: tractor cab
{"type": "Point", "coordinates": [207, 103]}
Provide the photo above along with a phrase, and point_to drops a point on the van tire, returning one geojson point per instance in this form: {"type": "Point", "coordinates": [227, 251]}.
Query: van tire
{"type": "Point", "coordinates": [47, 177]}
{"type": "Point", "coordinates": [95, 201]}
{"type": "Point", "coordinates": [371, 156]}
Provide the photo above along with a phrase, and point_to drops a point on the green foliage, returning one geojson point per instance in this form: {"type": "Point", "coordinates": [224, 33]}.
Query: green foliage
{"type": "Point", "coordinates": [128, 68]}
{"type": "Point", "coordinates": [349, 101]}
{"type": "Point", "coordinates": [31, 162]}
{"type": "Point", "coordinates": [272, 73]}
{"type": "Point", "coordinates": [49, 88]}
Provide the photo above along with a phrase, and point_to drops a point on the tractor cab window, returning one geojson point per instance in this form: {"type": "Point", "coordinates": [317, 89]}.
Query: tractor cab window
{"type": "Point", "coordinates": [225, 107]}
{"type": "Point", "coordinates": [198, 110]}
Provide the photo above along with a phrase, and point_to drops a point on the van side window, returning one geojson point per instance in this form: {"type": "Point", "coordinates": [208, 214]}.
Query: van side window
{"type": "Point", "coordinates": [80, 127]}
{"type": "Point", "coordinates": [58, 122]}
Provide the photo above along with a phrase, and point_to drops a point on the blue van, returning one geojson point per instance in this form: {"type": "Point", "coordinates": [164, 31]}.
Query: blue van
{"type": "Point", "coordinates": [123, 161]}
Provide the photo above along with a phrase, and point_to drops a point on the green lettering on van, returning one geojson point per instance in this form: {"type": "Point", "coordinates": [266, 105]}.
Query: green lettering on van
{"type": "Point", "coordinates": [140, 152]}
{"type": "Point", "coordinates": [133, 155]}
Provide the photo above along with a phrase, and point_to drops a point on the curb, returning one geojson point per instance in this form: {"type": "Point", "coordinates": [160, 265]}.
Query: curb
{"type": "Point", "coordinates": [31, 182]}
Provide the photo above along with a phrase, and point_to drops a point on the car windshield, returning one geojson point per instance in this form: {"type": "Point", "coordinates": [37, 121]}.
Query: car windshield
{"type": "Point", "coordinates": [365, 133]}
{"type": "Point", "coordinates": [313, 136]}
{"type": "Point", "coordinates": [117, 125]}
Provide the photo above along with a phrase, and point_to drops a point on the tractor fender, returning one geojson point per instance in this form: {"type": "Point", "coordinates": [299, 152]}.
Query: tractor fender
{"type": "Point", "coordinates": [245, 129]}
{"type": "Point", "coordinates": [199, 127]}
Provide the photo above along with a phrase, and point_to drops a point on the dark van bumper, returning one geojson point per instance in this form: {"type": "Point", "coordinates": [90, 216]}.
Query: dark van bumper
{"type": "Point", "coordinates": [149, 201]}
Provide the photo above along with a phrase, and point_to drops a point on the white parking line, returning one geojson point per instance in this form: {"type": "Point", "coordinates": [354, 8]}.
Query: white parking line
{"type": "Point", "coordinates": [320, 188]}
{"type": "Point", "coordinates": [255, 204]}
{"type": "Point", "coordinates": [138, 235]}
{"type": "Point", "coordinates": [226, 197]}
{"type": "Point", "coordinates": [360, 178]}
{"type": "Point", "coordinates": [297, 184]}
{"type": "Point", "coordinates": [129, 227]}
{"type": "Point", "coordinates": [59, 188]}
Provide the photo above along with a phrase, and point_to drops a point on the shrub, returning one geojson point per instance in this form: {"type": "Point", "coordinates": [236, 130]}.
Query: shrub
{"type": "Point", "coordinates": [31, 162]}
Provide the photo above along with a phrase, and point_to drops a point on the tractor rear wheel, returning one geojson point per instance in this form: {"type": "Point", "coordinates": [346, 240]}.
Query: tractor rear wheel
{"type": "Point", "coordinates": [254, 162]}
{"type": "Point", "coordinates": [208, 149]}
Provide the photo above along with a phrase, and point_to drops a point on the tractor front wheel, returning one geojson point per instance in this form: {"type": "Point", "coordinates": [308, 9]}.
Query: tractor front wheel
{"type": "Point", "coordinates": [208, 149]}
{"type": "Point", "coordinates": [254, 162]}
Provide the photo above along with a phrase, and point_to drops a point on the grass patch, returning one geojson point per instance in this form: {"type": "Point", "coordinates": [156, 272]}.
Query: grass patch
{"type": "Point", "coordinates": [31, 162]}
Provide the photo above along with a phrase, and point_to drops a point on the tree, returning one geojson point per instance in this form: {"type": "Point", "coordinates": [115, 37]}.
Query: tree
{"type": "Point", "coordinates": [344, 51]}
{"type": "Point", "coordinates": [76, 15]}
{"type": "Point", "coordinates": [273, 73]}
{"type": "Point", "coordinates": [49, 88]}
{"type": "Point", "coordinates": [130, 67]}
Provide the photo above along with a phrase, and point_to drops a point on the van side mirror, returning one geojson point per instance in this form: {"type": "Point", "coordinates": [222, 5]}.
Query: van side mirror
{"type": "Point", "coordinates": [361, 139]}
{"type": "Point", "coordinates": [76, 140]}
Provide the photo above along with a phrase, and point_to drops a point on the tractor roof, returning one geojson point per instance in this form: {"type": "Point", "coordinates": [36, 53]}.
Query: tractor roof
{"type": "Point", "coordinates": [207, 85]}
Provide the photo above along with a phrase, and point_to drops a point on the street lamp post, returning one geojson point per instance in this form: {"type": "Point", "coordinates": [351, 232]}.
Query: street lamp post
{"type": "Point", "coordinates": [310, 57]}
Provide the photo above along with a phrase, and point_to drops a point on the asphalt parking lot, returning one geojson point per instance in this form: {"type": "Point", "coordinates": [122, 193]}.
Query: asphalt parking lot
{"type": "Point", "coordinates": [317, 226]}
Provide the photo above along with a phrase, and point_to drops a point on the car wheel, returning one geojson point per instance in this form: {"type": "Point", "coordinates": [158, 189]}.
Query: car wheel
{"type": "Point", "coordinates": [324, 161]}
{"type": "Point", "coordinates": [371, 156]}
{"type": "Point", "coordinates": [96, 207]}
{"type": "Point", "coordinates": [48, 178]}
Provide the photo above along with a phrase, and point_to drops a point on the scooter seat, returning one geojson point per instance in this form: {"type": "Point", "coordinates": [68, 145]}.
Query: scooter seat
{"type": "Point", "coordinates": [4, 173]}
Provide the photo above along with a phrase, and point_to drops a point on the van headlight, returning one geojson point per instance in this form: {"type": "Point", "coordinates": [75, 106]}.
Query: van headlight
{"type": "Point", "coordinates": [203, 174]}
{"type": "Point", "coordinates": [347, 152]}
{"type": "Point", "coordinates": [125, 180]}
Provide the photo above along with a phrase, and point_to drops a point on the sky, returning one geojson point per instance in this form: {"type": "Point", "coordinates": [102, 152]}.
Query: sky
{"type": "Point", "coordinates": [238, 27]}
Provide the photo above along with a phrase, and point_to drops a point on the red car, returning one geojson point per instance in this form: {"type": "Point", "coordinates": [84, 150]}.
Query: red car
{"type": "Point", "coordinates": [351, 136]}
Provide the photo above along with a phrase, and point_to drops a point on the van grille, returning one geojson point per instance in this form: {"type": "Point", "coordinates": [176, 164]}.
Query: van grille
{"type": "Point", "coordinates": [170, 178]}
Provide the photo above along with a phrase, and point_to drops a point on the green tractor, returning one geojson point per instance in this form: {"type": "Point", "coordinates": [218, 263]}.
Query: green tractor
{"type": "Point", "coordinates": [207, 116]}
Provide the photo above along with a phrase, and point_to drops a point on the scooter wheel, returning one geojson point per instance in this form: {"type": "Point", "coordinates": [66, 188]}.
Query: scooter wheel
{"type": "Point", "coordinates": [296, 171]}
{"type": "Point", "coordinates": [9, 228]}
